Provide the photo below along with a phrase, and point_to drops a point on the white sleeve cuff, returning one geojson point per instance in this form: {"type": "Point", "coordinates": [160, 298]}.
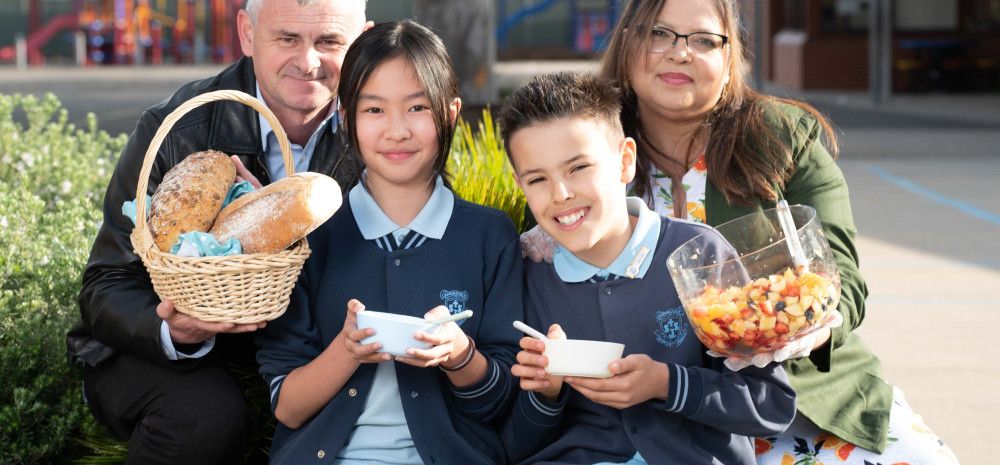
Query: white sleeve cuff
{"type": "Point", "coordinates": [172, 354]}
{"type": "Point", "coordinates": [544, 406]}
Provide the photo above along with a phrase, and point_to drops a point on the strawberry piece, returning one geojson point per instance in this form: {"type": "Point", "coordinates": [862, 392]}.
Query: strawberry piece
{"type": "Point", "coordinates": [767, 308]}
{"type": "Point", "coordinates": [790, 290]}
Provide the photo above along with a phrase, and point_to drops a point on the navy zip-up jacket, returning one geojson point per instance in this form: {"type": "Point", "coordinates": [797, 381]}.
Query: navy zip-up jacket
{"type": "Point", "coordinates": [478, 254]}
{"type": "Point", "coordinates": [710, 413]}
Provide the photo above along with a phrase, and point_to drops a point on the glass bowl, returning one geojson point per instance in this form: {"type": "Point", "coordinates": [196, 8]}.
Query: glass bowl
{"type": "Point", "coordinates": [752, 298]}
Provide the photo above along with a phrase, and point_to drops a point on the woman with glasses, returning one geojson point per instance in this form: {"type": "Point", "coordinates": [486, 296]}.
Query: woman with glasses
{"type": "Point", "coordinates": [712, 149]}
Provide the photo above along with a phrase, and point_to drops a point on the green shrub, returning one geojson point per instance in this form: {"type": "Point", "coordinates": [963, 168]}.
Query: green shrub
{"type": "Point", "coordinates": [52, 180]}
{"type": "Point", "coordinates": [481, 173]}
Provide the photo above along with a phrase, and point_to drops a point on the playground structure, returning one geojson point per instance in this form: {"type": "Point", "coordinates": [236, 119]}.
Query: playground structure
{"type": "Point", "coordinates": [590, 21]}
{"type": "Point", "coordinates": [108, 32]}
{"type": "Point", "coordinates": [133, 32]}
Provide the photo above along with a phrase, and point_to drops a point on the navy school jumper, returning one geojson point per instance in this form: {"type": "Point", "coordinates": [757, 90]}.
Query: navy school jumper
{"type": "Point", "coordinates": [475, 265]}
{"type": "Point", "coordinates": [710, 412]}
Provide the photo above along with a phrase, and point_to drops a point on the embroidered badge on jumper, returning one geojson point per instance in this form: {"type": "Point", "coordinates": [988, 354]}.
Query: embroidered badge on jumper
{"type": "Point", "coordinates": [671, 327]}
{"type": "Point", "coordinates": [455, 301]}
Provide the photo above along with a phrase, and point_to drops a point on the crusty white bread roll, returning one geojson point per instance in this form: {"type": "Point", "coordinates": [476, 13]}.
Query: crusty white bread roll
{"type": "Point", "coordinates": [190, 196]}
{"type": "Point", "coordinates": [273, 217]}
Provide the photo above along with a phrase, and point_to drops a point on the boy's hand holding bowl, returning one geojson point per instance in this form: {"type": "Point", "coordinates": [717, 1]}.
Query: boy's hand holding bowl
{"type": "Point", "coordinates": [634, 380]}
{"type": "Point", "coordinates": [593, 368]}
{"type": "Point", "coordinates": [531, 366]}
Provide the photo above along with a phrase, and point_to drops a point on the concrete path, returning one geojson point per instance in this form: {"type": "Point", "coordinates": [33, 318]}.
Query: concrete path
{"type": "Point", "coordinates": [930, 253]}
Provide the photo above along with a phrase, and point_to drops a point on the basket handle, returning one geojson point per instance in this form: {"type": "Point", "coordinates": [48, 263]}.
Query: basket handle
{"type": "Point", "coordinates": [183, 109]}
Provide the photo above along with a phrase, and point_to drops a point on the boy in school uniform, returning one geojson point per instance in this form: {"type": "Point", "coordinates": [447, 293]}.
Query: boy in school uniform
{"type": "Point", "coordinates": [666, 401]}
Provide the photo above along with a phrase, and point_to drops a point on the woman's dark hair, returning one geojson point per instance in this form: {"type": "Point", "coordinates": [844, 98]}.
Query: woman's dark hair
{"type": "Point", "coordinates": [747, 158]}
{"type": "Point", "coordinates": [433, 68]}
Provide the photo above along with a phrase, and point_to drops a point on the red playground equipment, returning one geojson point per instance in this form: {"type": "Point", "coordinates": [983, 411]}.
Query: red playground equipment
{"type": "Point", "coordinates": [137, 31]}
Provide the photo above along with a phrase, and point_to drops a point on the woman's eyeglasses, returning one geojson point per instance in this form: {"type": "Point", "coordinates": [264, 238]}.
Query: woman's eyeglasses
{"type": "Point", "coordinates": [661, 38]}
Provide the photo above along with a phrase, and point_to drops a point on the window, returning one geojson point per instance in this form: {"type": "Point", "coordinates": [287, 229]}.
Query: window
{"type": "Point", "coordinates": [984, 17]}
{"type": "Point", "coordinates": [926, 15]}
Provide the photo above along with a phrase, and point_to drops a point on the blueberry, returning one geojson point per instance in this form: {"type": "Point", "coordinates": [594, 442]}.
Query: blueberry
{"type": "Point", "coordinates": [809, 314]}
{"type": "Point", "coordinates": [779, 306]}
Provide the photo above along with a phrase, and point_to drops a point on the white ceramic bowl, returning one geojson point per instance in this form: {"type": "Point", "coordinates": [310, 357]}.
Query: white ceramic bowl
{"type": "Point", "coordinates": [578, 357]}
{"type": "Point", "coordinates": [394, 331]}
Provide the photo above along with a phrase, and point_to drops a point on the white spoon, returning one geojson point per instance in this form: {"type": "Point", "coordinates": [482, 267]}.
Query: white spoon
{"type": "Point", "coordinates": [530, 331]}
{"type": "Point", "coordinates": [791, 235]}
{"type": "Point", "coordinates": [448, 319]}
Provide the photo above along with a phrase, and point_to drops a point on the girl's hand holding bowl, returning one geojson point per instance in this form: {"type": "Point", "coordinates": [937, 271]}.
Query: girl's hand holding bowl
{"type": "Point", "coordinates": [448, 342]}
{"type": "Point", "coordinates": [353, 337]}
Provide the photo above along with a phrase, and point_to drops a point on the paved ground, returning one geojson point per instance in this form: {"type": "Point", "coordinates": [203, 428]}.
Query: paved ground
{"type": "Point", "coordinates": [923, 172]}
{"type": "Point", "coordinates": [117, 95]}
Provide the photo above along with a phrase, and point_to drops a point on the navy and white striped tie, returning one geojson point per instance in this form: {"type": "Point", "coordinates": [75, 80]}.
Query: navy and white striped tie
{"type": "Point", "coordinates": [411, 240]}
{"type": "Point", "coordinates": [601, 279]}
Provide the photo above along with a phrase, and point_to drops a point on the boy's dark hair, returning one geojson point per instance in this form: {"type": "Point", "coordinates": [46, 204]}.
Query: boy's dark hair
{"type": "Point", "coordinates": [559, 95]}
{"type": "Point", "coordinates": [425, 51]}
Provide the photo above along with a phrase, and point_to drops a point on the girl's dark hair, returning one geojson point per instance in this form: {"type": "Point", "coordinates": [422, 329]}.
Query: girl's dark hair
{"type": "Point", "coordinates": [748, 158]}
{"type": "Point", "coordinates": [433, 68]}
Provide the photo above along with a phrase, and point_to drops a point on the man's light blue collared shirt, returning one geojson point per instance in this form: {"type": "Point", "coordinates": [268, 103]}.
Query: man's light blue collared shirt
{"type": "Point", "coordinates": [381, 434]}
{"type": "Point", "coordinates": [301, 155]}
{"type": "Point", "coordinates": [632, 262]}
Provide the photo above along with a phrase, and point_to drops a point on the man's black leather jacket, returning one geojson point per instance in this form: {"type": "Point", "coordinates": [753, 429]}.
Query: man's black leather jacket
{"type": "Point", "coordinates": [117, 302]}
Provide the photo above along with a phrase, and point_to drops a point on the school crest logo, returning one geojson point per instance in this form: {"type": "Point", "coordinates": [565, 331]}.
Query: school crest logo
{"type": "Point", "coordinates": [671, 327]}
{"type": "Point", "coordinates": [455, 301]}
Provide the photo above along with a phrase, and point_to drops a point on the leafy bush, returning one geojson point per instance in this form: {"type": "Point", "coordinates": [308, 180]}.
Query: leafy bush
{"type": "Point", "coordinates": [52, 180]}
{"type": "Point", "coordinates": [481, 173]}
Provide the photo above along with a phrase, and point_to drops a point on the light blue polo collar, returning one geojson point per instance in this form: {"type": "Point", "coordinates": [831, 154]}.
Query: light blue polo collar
{"type": "Point", "coordinates": [374, 223]}
{"type": "Point", "coordinates": [632, 262]}
{"type": "Point", "coordinates": [332, 120]}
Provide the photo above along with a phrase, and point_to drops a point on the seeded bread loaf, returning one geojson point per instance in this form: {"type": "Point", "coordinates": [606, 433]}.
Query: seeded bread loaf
{"type": "Point", "coordinates": [276, 216]}
{"type": "Point", "coordinates": [190, 196]}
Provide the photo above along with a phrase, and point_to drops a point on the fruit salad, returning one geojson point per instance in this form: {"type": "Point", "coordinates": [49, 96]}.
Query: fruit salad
{"type": "Point", "coordinates": [763, 315]}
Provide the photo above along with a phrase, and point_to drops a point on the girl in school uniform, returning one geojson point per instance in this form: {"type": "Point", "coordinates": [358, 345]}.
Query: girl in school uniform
{"type": "Point", "coordinates": [401, 243]}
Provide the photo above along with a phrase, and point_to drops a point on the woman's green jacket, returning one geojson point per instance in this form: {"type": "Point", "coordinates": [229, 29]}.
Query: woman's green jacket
{"type": "Point", "coordinates": [839, 386]}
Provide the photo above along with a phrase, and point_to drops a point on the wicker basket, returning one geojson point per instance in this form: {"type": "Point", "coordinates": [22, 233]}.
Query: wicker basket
{"type": "Point", "coordinates": [247, 288]}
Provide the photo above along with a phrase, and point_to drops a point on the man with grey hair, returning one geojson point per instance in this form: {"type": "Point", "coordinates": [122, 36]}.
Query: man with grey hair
{"type": "Point", "coordinates": [159, 378]}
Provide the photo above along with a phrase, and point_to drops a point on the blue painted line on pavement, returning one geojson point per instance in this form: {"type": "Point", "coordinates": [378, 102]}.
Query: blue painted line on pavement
{"type": "Point", "coordinates": [972, 303]}
{"type": "Point", "coordinates": [911, 186]}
